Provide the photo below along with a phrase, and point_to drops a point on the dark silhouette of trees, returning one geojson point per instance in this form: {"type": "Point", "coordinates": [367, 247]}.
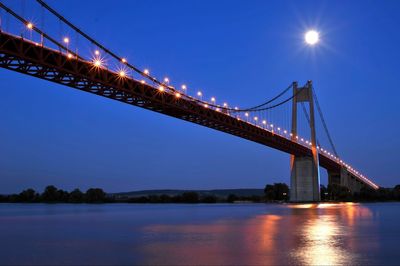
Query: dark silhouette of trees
{"type": "Point", "coordinates": [28, 195]}
{"type": "Point", "coordinates": [209, 199]}
{"type": "Point", "coordinates": [277, 191]}
{"type": "Point", "coordinates": [324, 193]}
{"type": "Point", "coordinates": [396, 192]}
{"type": "Point", "coordinates": [232, 198]}
{"type": "Point", "coordinates": [190, 197]}
{"type": "Point", "coordinates": [76, 196]}
{"type": "Point", "coordinates": [50, 194]}
{"type": "Point", "coordinates": [339, 193]}
{"type": "Point", "coordinates": [95, 195]}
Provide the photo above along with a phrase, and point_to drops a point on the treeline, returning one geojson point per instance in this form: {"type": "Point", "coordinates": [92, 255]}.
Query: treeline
{"type": "Point", "coordinates": [189, 197]}
{"type": "Point", "coordinates": [51, 194]}
{"type": "Point", "coordinates": [340, 193]}
{"type": "Point", "coordinates": [278, 192]}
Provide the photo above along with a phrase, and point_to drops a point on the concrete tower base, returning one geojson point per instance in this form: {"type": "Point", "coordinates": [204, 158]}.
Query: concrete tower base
{"type": "Point", "coordinates": [304, 181]}
{"type": "Point", "coordinates": [345, 179]}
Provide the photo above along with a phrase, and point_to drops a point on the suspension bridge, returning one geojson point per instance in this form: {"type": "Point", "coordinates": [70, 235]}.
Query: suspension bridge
{"type": "Point", "coordinates": [29, 49]}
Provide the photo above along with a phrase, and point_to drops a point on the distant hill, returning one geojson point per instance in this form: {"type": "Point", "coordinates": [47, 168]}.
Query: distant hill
{"type": "Point", "coordinates": [221, 193]}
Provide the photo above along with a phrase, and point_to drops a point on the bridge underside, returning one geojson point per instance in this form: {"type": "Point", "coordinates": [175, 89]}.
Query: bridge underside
{"type": "Point", "coordinates": [26, 57]}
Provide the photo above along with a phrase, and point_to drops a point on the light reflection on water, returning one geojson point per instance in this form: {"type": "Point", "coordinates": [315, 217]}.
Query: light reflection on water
{"type": "Point", "coordinates": [219, 234]}
{"type": "Point", "coordinates": [310, 234]}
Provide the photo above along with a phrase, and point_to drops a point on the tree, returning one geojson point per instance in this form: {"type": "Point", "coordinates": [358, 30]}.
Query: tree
{"type": "Point", "coordinates": [50, 194]}
{"type": "Point", "coordinates": [269, 192]}
{"type": "Point", "coordinates": [28, 195]}
{"type": "Point", "coordinates": [338, 192]}
{"type": "Point", "coordinates": [76, 196]}
{"type": "Point", "coordinates": [396, 192]}
{"type": "Point", "coordinates": [190, 197]}
{"type": "Point", "coordinates": [209, 199]}
{"type": "Point", "coordinates": [277, 191]}
{"type": "Point", "coordinates": [281, 191]}
{"type": "Point", "coordinates": [324, 193]}
{"type": "Point", "coordinates": [95, 195]}
{"type": "Point", "coordinates": [232, 198]}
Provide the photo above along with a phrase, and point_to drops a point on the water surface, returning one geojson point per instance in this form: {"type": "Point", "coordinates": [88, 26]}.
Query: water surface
{"type": "Point", "coordinates": [223, 234]}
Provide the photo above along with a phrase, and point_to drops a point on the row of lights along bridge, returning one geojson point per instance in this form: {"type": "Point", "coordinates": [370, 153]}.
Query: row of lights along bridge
{"type": "Point", "coordinates": [122, 72]}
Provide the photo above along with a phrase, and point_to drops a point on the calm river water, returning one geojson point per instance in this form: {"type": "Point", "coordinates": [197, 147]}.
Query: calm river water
{"type": "Point", "coordinates": [222, 234]}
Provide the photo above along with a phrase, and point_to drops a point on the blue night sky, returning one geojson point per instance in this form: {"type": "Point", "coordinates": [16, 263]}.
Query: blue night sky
{"type": "Point", "coordinates": [239, 51]}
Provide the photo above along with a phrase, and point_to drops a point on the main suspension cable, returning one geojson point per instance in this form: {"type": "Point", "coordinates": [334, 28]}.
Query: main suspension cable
{"type": "Point", "coordinates": [24, 21]}
{"type": "Point", "coordinates": [153, 79]}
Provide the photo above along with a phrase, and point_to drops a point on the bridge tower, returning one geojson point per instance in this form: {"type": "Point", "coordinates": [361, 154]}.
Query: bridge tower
{"type": "Point", "coordinates": [304, 179]}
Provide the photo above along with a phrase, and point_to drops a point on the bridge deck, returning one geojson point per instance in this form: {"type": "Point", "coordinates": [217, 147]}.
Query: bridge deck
{"type": "Point", "coordinates": [29, 58]}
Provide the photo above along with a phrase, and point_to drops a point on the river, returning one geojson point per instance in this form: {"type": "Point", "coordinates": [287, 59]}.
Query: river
{"type": "Point", "coordinates": [187, 234]}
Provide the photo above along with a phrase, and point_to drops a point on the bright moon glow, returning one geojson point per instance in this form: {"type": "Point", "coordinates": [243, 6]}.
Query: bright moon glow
{"type": "Point", "coordinates": [311, 37]}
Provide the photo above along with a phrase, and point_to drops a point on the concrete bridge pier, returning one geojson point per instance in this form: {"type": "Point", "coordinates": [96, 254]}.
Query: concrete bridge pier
{"type": "Point", "coordinates": [304, 179]}
{"type": "Point", "coordinates": [346, 179]}
{"type": "Point", "coordinates": [304, 185]}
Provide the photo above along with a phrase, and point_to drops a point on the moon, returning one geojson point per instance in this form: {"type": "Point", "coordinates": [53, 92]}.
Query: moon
{"type": "Point", "coordinates": [311, 37]}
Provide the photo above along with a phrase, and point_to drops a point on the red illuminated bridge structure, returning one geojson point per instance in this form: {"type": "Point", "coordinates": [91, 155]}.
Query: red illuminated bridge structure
{"type": "Point", "coordinates": [34, 52]}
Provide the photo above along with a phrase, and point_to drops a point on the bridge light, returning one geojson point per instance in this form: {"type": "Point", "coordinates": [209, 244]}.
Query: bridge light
{"type": "Point", "coordinates": [236, 108]}
{"type": "Point", "coordinates": [184, 87]}
{"type": "Point", "coordinates": [199, 94]}
{"type": "Point", "coordinates": [272, 125]}
{"type": "Point", "coordinates": [123, 60]}
{"type": "Point", "coordinates": [166, 80]}
{"type": "Point", "coordinates": [264, 122]}
{"type": "Point", "coordinates": [225, 105]}
{"type": "Point", "coordinates": [66, 40]}
{"type": "Point", "coordinates": [122, 74]}
{"type": "Point", "coordinates": [161, 88]}
{"type": "Point", "coordinates": [69, 55]}
{"type": "Point", "coordinates": [302, 139]}
{"type": "Point", "coordinates": [255, 118]}
{"type": "Point", "coordinates": [29, 25]}
{"type": "Point", "coordinates": [146, 71]}
{"type": "Point", "coordinates": [279, 128]}
{"type": "Point", "coordinates": [177, 95]}
{"type": "Point", "coordinates": [97, 63]}
{"type": "Point", "coordinates": [206, 105]}
{"type": "Point", "coordinates": [97, 52]}
{"type": "Point", "coordinates": [213, 99]}
{"type": "Point", "coordinates": [143, 81]}
{"type": "Point", "coordinates": [217, 109]}
{"type": "Point", "coordinates": [246, 114]}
